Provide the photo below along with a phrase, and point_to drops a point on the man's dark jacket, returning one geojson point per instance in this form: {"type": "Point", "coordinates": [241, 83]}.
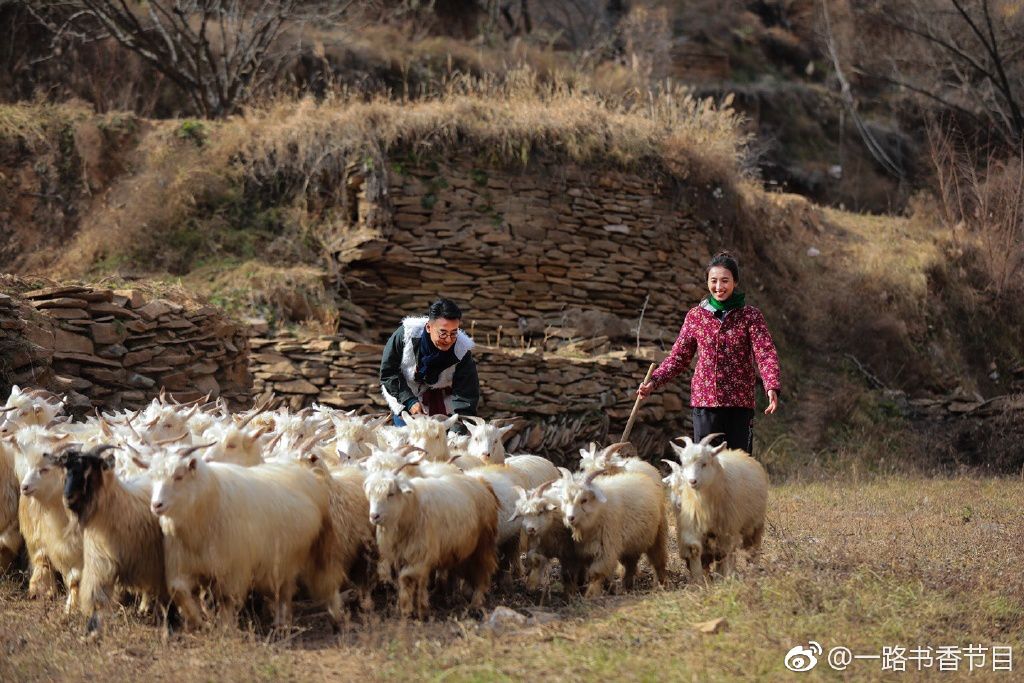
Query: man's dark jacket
{"type": "Point", "coordinates": [398, 371]}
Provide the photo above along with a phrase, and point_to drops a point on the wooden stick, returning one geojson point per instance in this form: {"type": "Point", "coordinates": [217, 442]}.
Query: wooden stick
{"type": "Point", "coordinates": [636, 406]}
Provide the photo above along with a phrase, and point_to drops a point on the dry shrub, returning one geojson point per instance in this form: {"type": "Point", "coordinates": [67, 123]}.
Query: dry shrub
{"type": "Point", "coordinates": [982, 204]}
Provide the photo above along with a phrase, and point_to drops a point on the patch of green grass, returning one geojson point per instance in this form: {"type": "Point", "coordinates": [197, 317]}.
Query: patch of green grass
{"type": "Point", "coordinates": [194, 131]}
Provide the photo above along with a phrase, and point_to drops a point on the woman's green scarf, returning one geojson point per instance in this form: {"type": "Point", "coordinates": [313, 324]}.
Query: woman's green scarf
{"type": "Point", "coordinates": [734, 301]}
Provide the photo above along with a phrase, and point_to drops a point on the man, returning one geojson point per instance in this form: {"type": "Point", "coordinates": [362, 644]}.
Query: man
{"type": "Point", "coordinates": [428, 368]}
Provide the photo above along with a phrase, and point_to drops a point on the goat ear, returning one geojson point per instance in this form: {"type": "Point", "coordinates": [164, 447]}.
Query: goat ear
{"type": "Point", "coordinates": [506, 428]}
{"type": "Point", "coordinates": [550, 507]}
{"type": "Point", "coordinates": [672, 464]}
{"type": "Point", "coordinates": [450, 422]}
{"type": "Point", "coordinates": [403, 485]}
{"type": "Point", "coordinates": [108, 461]}
{"type": "Point", "coordinates": [680, 451]}
{"type": "Point", "coordinates": [599, 495]}
{"type": "Point", "coordinates": [406, 417]}
{"type": "Point", "coordinates": [719, 448]}
{"type": "Point", "coordinates": [520, 492]}
{"type": "Point", "coordinates": [192, 463]}
{"type": "Point", "coordinates": [566, 474]}
{"type": "Point", "coordinates": [514, 517]}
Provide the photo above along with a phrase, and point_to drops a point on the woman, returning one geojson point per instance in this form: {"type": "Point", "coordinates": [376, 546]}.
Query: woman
{"type": "Point", "coordinates": [729, 337]}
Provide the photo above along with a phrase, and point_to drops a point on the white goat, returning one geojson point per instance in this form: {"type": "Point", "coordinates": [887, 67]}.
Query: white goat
{"type": "Point", "coordinates": [547, 538]}
{"type": "Point", "coordinates": [238, 528]}
{"type": "Point", "coordinates": [485, 442]}
{"type": "Point", "coordinates": [10, 534]}
{"type": "Point", "coordinates": [122, 543]}
{"type": "Point", "coordinates": [504, 481]}
{"type": "Point", "coordinates": [615, 519]}
{"type": "Point", "coordinates": [52, 536]}
{"type": "Point", "coordinates": [430, 434]}
{"type": "Point", "coordinates": [719, 498]}
{"type": "Point", "coordinates": [434, 524]}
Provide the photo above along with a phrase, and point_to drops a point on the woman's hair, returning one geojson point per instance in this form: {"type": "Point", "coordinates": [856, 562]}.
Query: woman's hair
{"type": "Point", "coordinates": [444, 308]}
{"type": "Point", "coordinates": [725, 260]}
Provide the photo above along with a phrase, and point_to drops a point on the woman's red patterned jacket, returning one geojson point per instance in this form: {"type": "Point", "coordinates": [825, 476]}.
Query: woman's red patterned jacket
{"type": "Point", "coordinates": [725, 363]}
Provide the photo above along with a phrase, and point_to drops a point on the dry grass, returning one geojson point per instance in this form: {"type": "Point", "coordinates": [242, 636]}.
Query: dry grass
{"type": "Point", "coordinates": [864, 564]}
{"type": "Point", "coordinates": [34, 124]}
{"type": "Point", "coordinates": [281, 294]}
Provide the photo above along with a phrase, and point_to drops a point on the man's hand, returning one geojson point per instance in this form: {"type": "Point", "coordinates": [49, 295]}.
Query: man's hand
{"type": "Point", "coordinates": [645, 390]}
{"type": "Point", "coordinates": [417, 409]}
{"type": "Point", "coordinates": [773, 402]}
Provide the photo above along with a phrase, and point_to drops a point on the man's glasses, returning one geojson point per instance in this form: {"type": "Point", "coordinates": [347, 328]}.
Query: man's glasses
{"type": "Point", "coordinates": [445, 334]}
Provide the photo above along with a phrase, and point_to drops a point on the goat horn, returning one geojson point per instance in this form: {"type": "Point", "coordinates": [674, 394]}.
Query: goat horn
{"type": "Point", "coordinates": [591, 476]}
{"type": "Point", "coordinates": [98, 450]}
{"type": "Point", "coordinates": [273, 442]}
{"type": "Point", "coordinates": [616, 447]}
{"type": "Point", "coordinates": [706, 439]}
{"type": "Point", "coordinates": [192, 449]}
{"type": "Point", "coordinates": [132, 427]}
{"type": "Point", "coordinates": [164, 442]}
{"type": "Point", "coordinates": [7, 410]}
{"type": "Point", "coordinates": [404, 465]}
{"type": "Point", "coordinates": [478, 421]}
{"type": "Point", "coordinates": [540, 489]}
{"type": "Point", "coordinates": [407, 449]}
{"type": "Point", "coordinates": [249, 419]}
{"type": "Point", "coordinates": [196, 401]}
{"type": "Point", "coordinates": [43, 394]}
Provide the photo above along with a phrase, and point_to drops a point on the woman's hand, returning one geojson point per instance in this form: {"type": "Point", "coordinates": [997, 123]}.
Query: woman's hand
{"type": "Point", "coordinates": [773, 402]}
{"type": "Point", "coordinates": [417, 409]}
{"type": "Point", "coordinates": [645, 390]}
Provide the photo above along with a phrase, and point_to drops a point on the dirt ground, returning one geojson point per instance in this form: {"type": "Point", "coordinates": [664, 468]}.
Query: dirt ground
{"type": "Point", "coordinates": [863, 565]}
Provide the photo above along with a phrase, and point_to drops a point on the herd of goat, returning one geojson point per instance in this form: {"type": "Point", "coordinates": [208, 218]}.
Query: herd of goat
{"type": "Point", "coordinates": [195, 508]}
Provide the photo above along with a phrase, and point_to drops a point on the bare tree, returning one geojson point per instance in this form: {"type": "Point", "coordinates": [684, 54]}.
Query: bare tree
{"type": "Point", "coordinates": [218, 52]}
{"type": "Point", "coordinates": [965, 55]}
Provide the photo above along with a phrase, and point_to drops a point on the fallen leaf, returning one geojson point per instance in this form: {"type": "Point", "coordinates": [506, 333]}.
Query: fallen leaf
{"type": "Point", "coordinates": [713, 626]}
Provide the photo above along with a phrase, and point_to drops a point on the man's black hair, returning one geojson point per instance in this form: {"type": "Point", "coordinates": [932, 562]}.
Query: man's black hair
{"type": "Point", "coordinates": [444, 308]}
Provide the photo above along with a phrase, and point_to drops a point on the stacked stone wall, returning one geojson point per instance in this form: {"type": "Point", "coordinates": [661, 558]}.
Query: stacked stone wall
{"type": "Point", "coordinates": [115, 349]}
{"type": "Point", "coordinates": [524, 249]}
